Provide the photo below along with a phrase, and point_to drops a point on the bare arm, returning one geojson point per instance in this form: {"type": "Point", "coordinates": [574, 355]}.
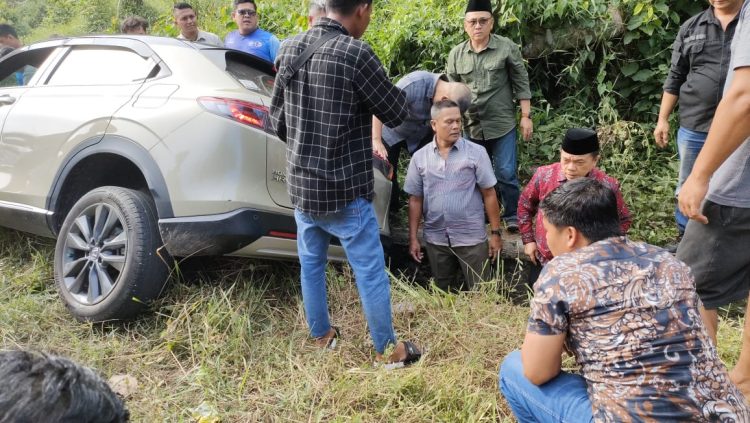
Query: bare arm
{"type": "Point", "coordinates": [661, 132]}
{"type": "Point", "coordinates": [377, 138]}
{"type": "Point", "coordinates": [728, 131]}
{"type": "Point", "coordinates": [526, 124]}
{"type": "Point", "coordinates": [541, 356]}
{"type": "Point", "coordinates": [493, 212]}
{"type": "Point", "coordinates": [415, 215]}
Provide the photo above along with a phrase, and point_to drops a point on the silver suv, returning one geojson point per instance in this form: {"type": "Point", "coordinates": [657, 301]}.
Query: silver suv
{"type": "Point", "coordinates": [131, 150]}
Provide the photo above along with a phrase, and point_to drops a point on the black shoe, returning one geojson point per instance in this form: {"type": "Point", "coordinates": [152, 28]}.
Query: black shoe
{"type": "Point", "coordinates": [511, 226]}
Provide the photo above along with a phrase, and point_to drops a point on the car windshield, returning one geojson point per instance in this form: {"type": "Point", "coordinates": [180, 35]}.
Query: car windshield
{"type": "Point", "coordinates": [254, 74]}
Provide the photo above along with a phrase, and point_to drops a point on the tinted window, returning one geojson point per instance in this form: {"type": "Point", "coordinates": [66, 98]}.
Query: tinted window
{"type": "Point", "coordinates": [18, 69]}
{"type": "Point", "coordinates": [254, 74]}
{"type": "Point", "coordinates": [101, 66]}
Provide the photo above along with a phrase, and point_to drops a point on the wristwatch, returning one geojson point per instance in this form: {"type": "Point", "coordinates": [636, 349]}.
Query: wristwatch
{"type": "Point", "coordinates": [497, 232]}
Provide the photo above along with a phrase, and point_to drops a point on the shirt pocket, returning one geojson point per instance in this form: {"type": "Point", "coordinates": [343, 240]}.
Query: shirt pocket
{"type": "Point", "coordinates": [694, 51]}
{"type": "Point", "coordinates": [465, 71]}
{"type": "Point", "coordinates": [495, 73]}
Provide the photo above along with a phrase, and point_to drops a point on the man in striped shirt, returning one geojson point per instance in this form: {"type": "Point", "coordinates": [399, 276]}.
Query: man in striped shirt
{"type": "Point", "coordinates": [451, 183]}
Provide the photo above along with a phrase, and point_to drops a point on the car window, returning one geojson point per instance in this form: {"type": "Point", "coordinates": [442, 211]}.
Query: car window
{"type": "Point", "coordinates": [254, 74]}
{"type": "Point", "coordinates": [18, 69]}
{"type": "Point", "coordinates": [101, 66]}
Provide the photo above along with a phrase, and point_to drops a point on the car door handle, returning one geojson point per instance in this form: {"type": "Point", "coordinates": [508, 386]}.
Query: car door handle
{"type": "Point", "coordinates": [6, 100]}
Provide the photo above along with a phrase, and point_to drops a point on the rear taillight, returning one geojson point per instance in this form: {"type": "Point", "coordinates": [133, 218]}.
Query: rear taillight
{"type": "Point", "coordinates": [255, 115]}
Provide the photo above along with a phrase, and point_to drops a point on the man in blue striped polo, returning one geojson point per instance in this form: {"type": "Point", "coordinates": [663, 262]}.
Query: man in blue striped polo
{"type": "Point", "coordinates": [451, 184]}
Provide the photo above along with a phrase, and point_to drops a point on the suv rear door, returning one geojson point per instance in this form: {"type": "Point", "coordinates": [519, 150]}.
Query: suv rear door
{"type": "Point", "coordinates": [71, 104]}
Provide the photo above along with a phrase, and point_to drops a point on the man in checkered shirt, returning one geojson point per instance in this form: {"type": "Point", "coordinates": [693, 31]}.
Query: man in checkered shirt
{"type": "Point", "coordinates": [324, 114]}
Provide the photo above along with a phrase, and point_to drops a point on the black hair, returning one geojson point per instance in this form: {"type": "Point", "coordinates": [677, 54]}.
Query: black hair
{"type": "Point", "coordinates": [6, 30]}
{"type": "Point", "coordinates": [585, 204]}
{"type": "Point", "coordinates": [41, 388]}
{"type": "Point", "coordinates": [344, 7]}
{"type": "Point", "coordinates": [132, 22]}
{"type": "Point", "coordinates": [239, 2]}
{"type": "Point", "coordinates": [182, 5]}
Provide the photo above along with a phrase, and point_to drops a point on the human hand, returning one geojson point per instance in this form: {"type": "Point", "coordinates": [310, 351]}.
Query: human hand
{"type": "Point", "coordinates": [527, 128]}
{"type": "Point", "coordinates": [496, 245]}
{"type": "Point", "coordinates": [378, 148]}
{"type": "Point", "coordinates": [692, 193]}
{"type": "Point", "coordinates": [661, 133]}
{"type": "Point", "coordinates": [415, 250]}
{"type": "Point", "coordinates": [530, 250]}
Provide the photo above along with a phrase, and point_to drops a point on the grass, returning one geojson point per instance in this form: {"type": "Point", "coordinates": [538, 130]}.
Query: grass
{"type": "Point", "coordinates": [228, 341]}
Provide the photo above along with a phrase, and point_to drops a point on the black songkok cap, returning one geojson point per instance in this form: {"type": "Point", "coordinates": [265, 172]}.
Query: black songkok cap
{"type": "Point", "coordinates": [479, 6]}
{"type": "Point", "coordinates": [579, 141]}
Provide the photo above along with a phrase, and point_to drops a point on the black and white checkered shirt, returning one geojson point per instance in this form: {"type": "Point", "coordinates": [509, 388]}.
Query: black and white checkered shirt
{"type": "Point", "coordinates": [325, 117]}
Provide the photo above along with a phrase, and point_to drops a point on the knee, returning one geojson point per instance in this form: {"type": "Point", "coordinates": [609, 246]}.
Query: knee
{"type": "Point", "coordinates": [510, 369]}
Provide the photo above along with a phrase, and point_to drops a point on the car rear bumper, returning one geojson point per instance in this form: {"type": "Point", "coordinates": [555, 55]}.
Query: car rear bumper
{"type": "Point", "coordinates": [230, 232]}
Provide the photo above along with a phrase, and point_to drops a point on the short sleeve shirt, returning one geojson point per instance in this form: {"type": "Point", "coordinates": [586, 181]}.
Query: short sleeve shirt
{"type": "Point", "coordinates": [452, 206]}
{"type": "Point", "coordinates": [205, 37]}
{"type": "Point", "coordinates": [630, 314]}
{"type": "Point", "coordinates": [419, 88]}
{"type": "Point", "coordinates": [495, 75]}
{"type": "Point", "coordinates": [730, 185]}
{"type": "Point", "coordinates": [259, 43]}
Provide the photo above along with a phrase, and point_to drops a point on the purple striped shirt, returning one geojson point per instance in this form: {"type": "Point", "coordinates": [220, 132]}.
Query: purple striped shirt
{"type": "Point", "coordinates": [453, 208]}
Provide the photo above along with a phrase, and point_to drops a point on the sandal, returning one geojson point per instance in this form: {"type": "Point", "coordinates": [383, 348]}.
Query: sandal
{"type": "Point", "coordinates": [333, 340]}
{"type": "Point", "coordinates": [412, 356]}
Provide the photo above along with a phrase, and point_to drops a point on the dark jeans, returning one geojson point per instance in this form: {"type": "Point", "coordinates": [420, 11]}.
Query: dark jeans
{"type": "Point", "coordinates": [394, 154]}
{"type": "Point", "coordinates": [449, 263]}
{"type": "Point", "coordinates": [502, 151]}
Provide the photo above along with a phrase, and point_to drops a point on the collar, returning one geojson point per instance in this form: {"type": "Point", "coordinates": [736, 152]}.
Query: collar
{"type": "Point", "coordinates": [458, 145]}
{"type": "Point", "coordinates": [491, 45]}
{"type": "Point", "coordinates": [710, 17]}
{"type": "Point", "coordinates": [330, 24]}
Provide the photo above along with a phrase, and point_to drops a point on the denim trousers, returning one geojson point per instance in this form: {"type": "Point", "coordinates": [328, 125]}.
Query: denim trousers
{"type": "Point", "coordinates": [357, 229]}
{"type": "Point", "coordinates": [562, 399]}
{"type": "Point", "coordinates": [502, 151]}
{"type": "Point", "coordinates": [689, 145]}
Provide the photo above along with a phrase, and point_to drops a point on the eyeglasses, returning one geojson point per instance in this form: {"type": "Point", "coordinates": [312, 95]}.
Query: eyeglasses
{"type": "Point", "coordinates": [247, 12]}
{"type": "Point", "coordinates": [480, 21]}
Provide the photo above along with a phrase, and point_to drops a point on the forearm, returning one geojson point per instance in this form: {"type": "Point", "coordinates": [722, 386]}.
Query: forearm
{"type": "Point", "coordinates": [668, 102]}
{"type": "Point", "coordinates": [415, 215]}
{"type": "Point", "coordinates": [491, 207]}
{"type": "Point", "coordinates": [377, 129]}
{"type": "Point", "coordinates": [729, 128]}
{"type": "Point", "coordinates": [525, 107]}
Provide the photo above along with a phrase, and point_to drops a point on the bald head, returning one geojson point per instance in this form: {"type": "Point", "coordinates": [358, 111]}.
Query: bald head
{"type": "Point", "coordinates": [458, 92]}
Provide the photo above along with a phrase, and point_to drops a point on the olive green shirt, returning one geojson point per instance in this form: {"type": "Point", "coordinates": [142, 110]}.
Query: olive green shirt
{"type": "Point", "coordinates": [496, 76]}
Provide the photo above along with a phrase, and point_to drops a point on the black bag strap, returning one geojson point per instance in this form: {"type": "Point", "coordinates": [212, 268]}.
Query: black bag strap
{"type": "Point", "coordinates": [291, 70]}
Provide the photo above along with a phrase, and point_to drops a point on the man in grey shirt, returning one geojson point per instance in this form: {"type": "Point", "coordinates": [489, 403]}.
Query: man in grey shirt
{"type": "Point", "coordinates": [452, 184]}
{"type": "Point", "coordinates": [186, 19]}
{"type": "Point", "coordinates": [717, 237]}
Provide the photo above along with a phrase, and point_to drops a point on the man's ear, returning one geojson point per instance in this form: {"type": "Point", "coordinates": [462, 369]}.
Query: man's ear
{"type": "Point", "coordinates": [433, 124]}
{"type": "Point", "coordinates": [572, 236]}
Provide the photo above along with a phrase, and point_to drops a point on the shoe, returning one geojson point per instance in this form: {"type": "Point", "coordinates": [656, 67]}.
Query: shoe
{"type": "Point", "coordinates": [511, 225]}
{"type": "Point", "coordinates": [412, 356]}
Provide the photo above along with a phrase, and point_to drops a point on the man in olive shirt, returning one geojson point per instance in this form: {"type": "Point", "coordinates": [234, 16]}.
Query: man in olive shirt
{"type": "Point", "coordinates": [493, 69]}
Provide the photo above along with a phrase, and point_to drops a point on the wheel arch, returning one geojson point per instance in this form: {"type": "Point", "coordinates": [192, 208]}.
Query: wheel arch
{"type": "Point", "coordinates": [128, 164]}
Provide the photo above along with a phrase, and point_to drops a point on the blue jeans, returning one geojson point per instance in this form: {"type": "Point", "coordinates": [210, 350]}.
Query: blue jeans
{"type": "Point", "coordinates": [357, 229]}
{"type": "Point", "coordinates": [689, 145]}
{"type": "Point", "coordinates": [502, 151]}
{"type": "Point", "coordinates": [562, 399]}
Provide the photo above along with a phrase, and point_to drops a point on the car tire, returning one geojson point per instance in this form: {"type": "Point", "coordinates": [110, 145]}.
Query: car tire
{"type": "Point", "coordinates": [106, 262]}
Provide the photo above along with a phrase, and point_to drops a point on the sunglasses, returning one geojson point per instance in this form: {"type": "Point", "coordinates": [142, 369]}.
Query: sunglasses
{"type": "Point", "coordinates": [481, 21]}
{"type": "Point", "coordinates": [247, 12]}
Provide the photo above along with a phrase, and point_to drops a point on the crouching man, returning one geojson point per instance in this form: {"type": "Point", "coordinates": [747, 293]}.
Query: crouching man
{"type": "Point", "coordinates": [451, 183]}
{"type": "Point", "coordinates": [628, 312]}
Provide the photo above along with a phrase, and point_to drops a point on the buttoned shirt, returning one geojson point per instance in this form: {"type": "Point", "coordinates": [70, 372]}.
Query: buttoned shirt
{"type": "Point", "coordinates": [495, 75]}
{"type": "Point", "coordinates": [631, 318]}
{"type": "Point", "coordinates": [205, 37]}
{"type": "Point", "coordinates": [419, 88]}
{"type": "Point", "coordinates": [325, 114]}
{"type": "Point", "coordinates": [545, 180]}
{"type": "Point", "coordinates": [452, 205]}
{"type": "Point", "coordinates": [700, 61]}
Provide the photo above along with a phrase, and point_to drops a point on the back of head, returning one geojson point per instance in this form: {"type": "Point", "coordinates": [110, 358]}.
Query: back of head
{"type": "Point", "coordinates": [317, 8]}
{"type": "Point", "coordinates": [132, 23]}
{"type": "Point", "coordinates": [440, 106]}
{"type": "Point", "coordinates": [6, 30]}
{"type": "Point", "coordinates": [39, 388]}
{"type": "Point", "coordinates": [461, 94]}
{"type": "Point", "coordinates": [344, 7]}
{"type": "Point", "coordinates": [585, 204]}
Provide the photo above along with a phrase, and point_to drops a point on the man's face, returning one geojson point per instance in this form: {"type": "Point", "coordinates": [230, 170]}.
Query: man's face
{"type": "Point", "coordinates": [726, 5]}
{"type": "Point", "coordinates": [478, 25]}
{"type": "Point", "coordinates": [447, 126]}
{"type": "Point", "coordinates": [246, 18]}
{"type": "Point", "coordinates": [557, 238]}
{"type": "Point", "coordinates": [577, 166]}
{"type": "Point", "coordinates": [10, 41]}
{"type": "Point", "coordinates": [186, 20]}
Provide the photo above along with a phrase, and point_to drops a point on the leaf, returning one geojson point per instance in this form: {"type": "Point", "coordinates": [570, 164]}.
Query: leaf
{"type": "Point", "coordinates": [630, 68]}
{"type": "Point", "coordinates": [630, 36]}
{"type": "Point", "coordinates": [638, 9]}
{"type": "Point", "coordinates": [643, 75]}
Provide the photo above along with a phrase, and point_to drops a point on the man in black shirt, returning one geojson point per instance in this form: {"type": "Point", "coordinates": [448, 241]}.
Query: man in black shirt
{"type": "Point", "coordinates": [324, 114]}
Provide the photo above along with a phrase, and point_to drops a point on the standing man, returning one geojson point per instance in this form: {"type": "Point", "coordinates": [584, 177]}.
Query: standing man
{"type": "Point", "coordinates": [323, 111]}
{"type": "Point", "coordinates": [700, 60]}
{"type": "Point", "coordinates": [452, 185]}
{"type": "Point", "coordinates": [627, 311]}
{"type": "Point", "coordinates": [492, 67]}
{"type": "Point", "coordinates": [716, 240]}
{"type": "Point", "coordinates": [186, 19]}
{"type": "Point", "coordinates": [316, 11]}
{"type": "Point", "coordinates": [422, 89]}
{"type": "Point", "coordinates": [248, 37]}
{"type": "Point", "coordinates": [579, 155]}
